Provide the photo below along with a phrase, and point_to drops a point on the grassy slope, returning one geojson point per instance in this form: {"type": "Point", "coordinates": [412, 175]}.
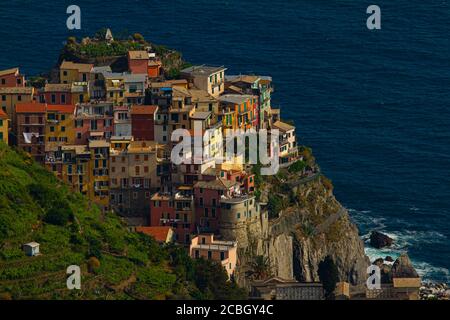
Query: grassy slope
{"type": "Point", "coordinates": [131, 265]}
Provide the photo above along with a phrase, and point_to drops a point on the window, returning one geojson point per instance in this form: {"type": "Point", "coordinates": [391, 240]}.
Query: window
{"type": "Point", "coordinates": [78, 135]}
{"type": "Point", "coordinates": [65, 73]}
{"type": "Point", "coordinates": [84, 77]}
{"type": "Point", "coordinates": [78, 123]}
{"type": "Point", "coordinates": [206, 212]}
{"type": "Point", "coordinates": [63, 98]}
{"type": "Point", "coordinates": [203, 240]}
{"type": "Point", "coordinates": [19, 98]}
{"type": "Point", "coordinates": [53, 98]}
{"type": "Point", "coordinates": [146, 157]}
{"type": "Point", "coordinates": [213, 212]}
{"type": "Point", "coordinates": [197, 254]}
{"type": "Point", "coordinates": [63, 129]}
{"type": "Point", "coordinates": [222, 255]}
{"type": "Point", "coordinates": [238, 215]}
{"type": "Point", "coordinates": [63, 117]}
{"type": "Point", "coordinates": [201, 201]}
{"type": "Point", "coordinates": [52, 129]}
{"type": "Point", "coordinates": [93, 124]}
{"type": "Point", "coordinates": [135, 195]}
{"type": "Point", "coordinates": [137, 169]}
{"type": "Point", "coordinates": [3, 98]}
{"type": "Point", "coordinates": [81, 98]}
{"type": "Point", "coordinates": [111, 94]}
{"type": "Point", "coordinates": [146, 169]}
{"type": "Point", "coordinates": [3, 81]}
{"type": "Point", "coordinates": [209, 255]}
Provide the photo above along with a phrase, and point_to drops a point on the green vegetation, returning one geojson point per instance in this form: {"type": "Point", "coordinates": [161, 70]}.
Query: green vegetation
{"type": "Point", "coordinates": [275, 205]}
{"type": "Point", "coordinates": [260, 268]}
{"type": "Point", "coordinates": [115, 263]}
{"type": "Point", "coordinates": [297, 166]}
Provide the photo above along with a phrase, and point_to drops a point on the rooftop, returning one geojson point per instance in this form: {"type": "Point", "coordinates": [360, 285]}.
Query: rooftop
{"type": "Point", "coordinates": [81, 67]}
{"type": "Point", "coordinates": [98, 144]}
{"type": "Point", "coordinates": [61, 108]}
{"type": "Point", "coordinates": [160, 233]}
{"type": "Point", "coordinates": [235, 98]}
{"type": "Point", "coordinates": [217, 184]}
{"type": "Point", "coordinates": [203, 70]}
{"type": "Point", "coordinates": [137, 109]}
{"type": "Point", "coordinates": [201, 115]}
{"type": "Point", "coordinates": [138, 55]}
{"type": "Point", "coordinates": [283, 126]}
{"type": "Point", "coordinates": [9, 71]}
{"type": "Point", "coordinates": [30, 107]}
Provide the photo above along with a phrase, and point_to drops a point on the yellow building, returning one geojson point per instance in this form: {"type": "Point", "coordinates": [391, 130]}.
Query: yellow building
{"type": "Point", "coordinates": [3, 126]}
{"type": "Point", "coordinates": [11, 96]}
{"type": "Point", "coordinates": [75, 161]}
{"type": "Point", "coordinates": [80, 92]}
{"type": "Point", "coordinates": [98, 186]}
{"type": "Point", "coordinates": [74, 72]}
{"type": "Point", "coordinates": [115, 89]}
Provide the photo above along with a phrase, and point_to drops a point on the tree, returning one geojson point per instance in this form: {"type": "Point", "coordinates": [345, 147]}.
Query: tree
{"type": "Point", "coordinates": [260, 268]}
{"type": "Point", "coordinates": [328, 275]}
{"type": "Point", "coordinates": [274, 205]}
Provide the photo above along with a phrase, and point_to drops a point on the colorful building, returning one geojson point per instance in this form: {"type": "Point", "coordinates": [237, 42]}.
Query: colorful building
{"type": "Point", "coordinates": [4, 126]}
{"type": "Point", "coordinates": [208, 195]}
{"type": "Point", "coordinates": [223, 252]}
{"type": "Point", "coordinates": [93, 121]}
{"type": "Point", "coordinates": [58, 93]}
{"type": "Point", "coordinates": [138, 62]}
{"type": "Point", "coordinates": [133, 179]}
{"type": "Point", "coordinates": [74, 72]}
{"type": "Point", "coordinates": [59, 131]}
{"type": "Point", "coordinates": [238, 111]}
{"type": "Point", "coordinates": [11, 78]}
{"type": "Point", "coordinates": [143, 122]}
{"type": "Point", "coordinates": [287, 143]}
{"type": "Point", "coordinates": [30, 120]}
{"type": "Point", "coordinates": [207, 78]}
{"type": "Point", "coordinates": [10, 97]}
{"type": "Point", "coordinates": [98, 186]}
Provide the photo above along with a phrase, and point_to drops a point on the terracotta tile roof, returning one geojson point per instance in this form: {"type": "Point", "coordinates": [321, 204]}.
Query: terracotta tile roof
{"type": "Point", "coordinates": [138, 55]}
{"type": "Point", "coordinates": [8, 71]}
{"type": "Point", "coordinates": [159, 233]}
{"type": "Point", "coordinates": [143, 109]}
{"type": "Point", "coordinates": [3, 115]}
{"type": "Point", "coordinates": [61, 108]}
{"type": "Point", "coordinates": [81, 67]}
{"type": "Point", "coordinates": [30, 107]}
{"type": "Point", "coordinates": [17, 90]}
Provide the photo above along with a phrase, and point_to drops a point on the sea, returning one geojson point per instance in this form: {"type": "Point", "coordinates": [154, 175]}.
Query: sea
{"type": "Point", "coordinates": [374, 105]}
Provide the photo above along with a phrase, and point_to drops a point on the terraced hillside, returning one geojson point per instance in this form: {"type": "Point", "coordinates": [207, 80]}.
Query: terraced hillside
{"type": "Point", "coordinates": [115, 263]}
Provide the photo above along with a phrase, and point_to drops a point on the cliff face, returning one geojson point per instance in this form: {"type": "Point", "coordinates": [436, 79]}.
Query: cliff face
{"type": "Point", "coordinates": [312, 226]}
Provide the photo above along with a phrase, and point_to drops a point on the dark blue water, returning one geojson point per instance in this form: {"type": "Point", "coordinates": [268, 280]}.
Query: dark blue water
{"type": "Point", "coordinates": [373, 105]}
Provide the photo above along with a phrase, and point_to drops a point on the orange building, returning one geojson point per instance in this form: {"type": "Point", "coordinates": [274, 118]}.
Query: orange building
{"type": "Point", "coordinates": [3, 126]}
{"type": "Point", "coordinates": [224, 252]}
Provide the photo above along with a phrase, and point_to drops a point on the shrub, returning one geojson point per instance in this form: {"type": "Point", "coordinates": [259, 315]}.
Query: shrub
{"type": "Point", "coordinates": [59, 216]}
{"type": "Point", "coordinates": [93, 264]}
{"type": "Point", "coordinates": [297, 166]}
{"type": "Point", "coordinates": [327, 183]}
{"type": "Point", "coordinates": [274, 205]}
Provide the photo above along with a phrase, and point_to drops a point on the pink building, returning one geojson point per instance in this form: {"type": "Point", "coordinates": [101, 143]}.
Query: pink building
{"type": "Point", "coordinates": [223, 252]}
{"type": "Point", "coordinates": [207, 195]}
{"type": "Point", "coordinates": [138, 62]}
{"type": "Point", "coordinates": [11, 78]}
{"type": "Point", "coordinates": [93, 122]}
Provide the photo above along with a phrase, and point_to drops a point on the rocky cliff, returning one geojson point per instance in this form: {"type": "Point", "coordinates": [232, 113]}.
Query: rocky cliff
{"type": "Point", "coordinates": [311, 226]}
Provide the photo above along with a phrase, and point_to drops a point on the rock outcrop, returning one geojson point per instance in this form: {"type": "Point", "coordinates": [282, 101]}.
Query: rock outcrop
{"type": "Point", "coordinates": [314, 225]}
{"type": "Point", "coordinates": [379, 240]}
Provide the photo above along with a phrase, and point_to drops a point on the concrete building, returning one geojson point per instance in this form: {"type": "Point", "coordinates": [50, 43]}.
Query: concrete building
{"type": "Point", "coordinates": [277, 288]}
{"type": "Point", "coordinates": [223, 252]}
{"type": "Point", "coordinates": [287, 143]}
{"type": "Point", "coordinates": [133, 179]}
{"type": "Point", "coordinates": [208, 78]}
